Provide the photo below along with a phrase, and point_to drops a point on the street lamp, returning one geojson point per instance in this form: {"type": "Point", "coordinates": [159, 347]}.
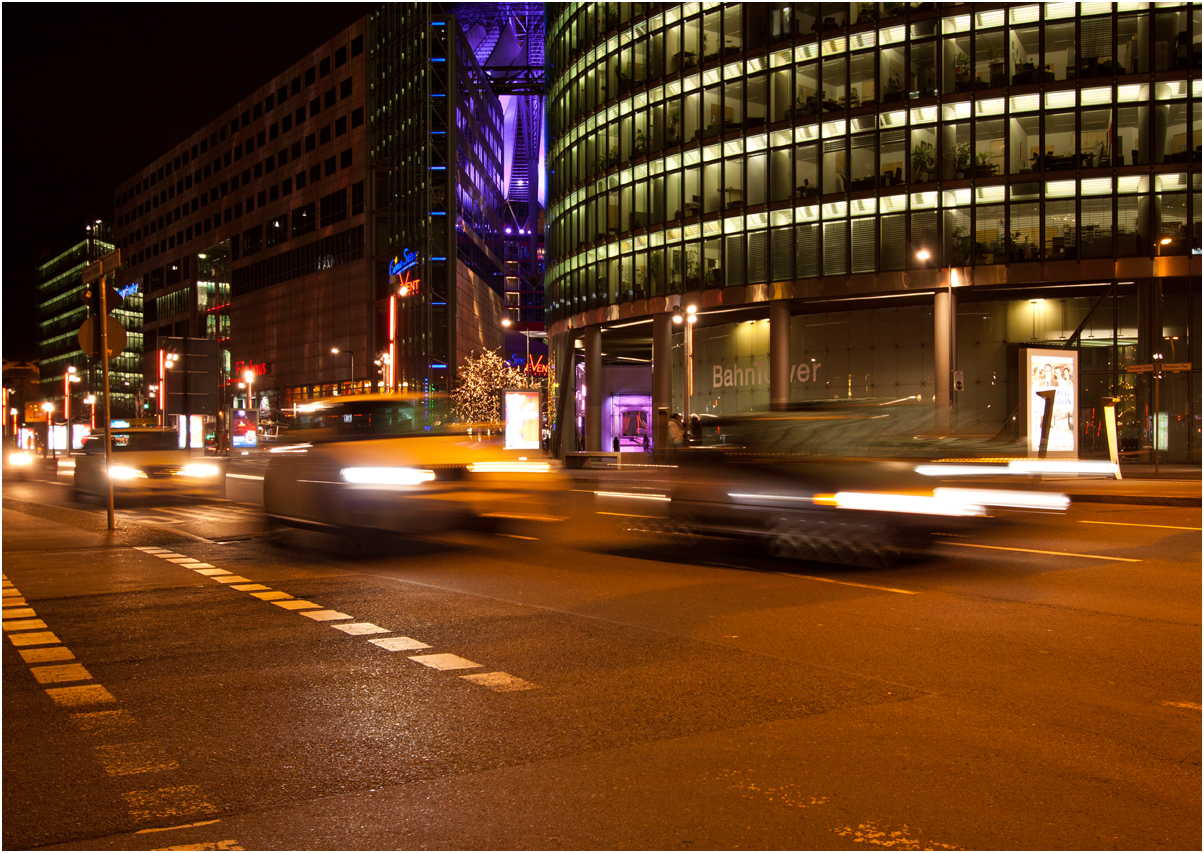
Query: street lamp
{"type": "Point", "coordinates": [68, 378]}
{"type": "Point", "coordinates": [47, 408]}
{"type": "Point", "coordinates": [248, 376]}
{"type": "Point", "coordinates": [91, 401]}
{"type": "Point", "coordinates": [336, 351]}
{"type": "Point", "coordinates": [947, 417]}
{"type": "Point", "coordinates": [689, 318]}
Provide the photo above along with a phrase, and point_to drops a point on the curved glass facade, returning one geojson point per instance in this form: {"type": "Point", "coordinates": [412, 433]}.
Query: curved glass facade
{"type": "Point", "coordinates": [743, 153]}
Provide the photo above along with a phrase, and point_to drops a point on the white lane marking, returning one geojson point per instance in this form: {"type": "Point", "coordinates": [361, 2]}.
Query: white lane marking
{"type": "Point", "coordinates": [249, 587]}
{"type": "Point", "coordinates": [325, 615]}
{"type": "Point", "coordinates": [846, 583]}
{"type": "Point", "coordinates": [60, 672]}
{"type": "Point", "coordinates": [23, 624]}
{"type": "Point", "coordinates": [46, 655]}
{"type": "Point", "coordinates": [443, 662]}
{"type": "Point", "coordinates": [34, 638]}
{"type": "Point", "coordinates": [1052, 553]}
{"type": "Point", "coordinates": [1191, 706]}
{"type": "Point", "coordinates": [211, 571]}
{"type": "Point", "coordinates": [274, 595]}
{"type": "Point", "coordinates": [19, 613]}
{"type": "Point", "coordinates": [245, 476]}
{"type": "Point", "coordinates": [1132, 524]}
{"type": "Point", "coordinates": [501, 682]}
{"type": "Point", "coordinates": [172, 828]}
{"type": "Point", "coordinates": [399, 644]}
{"type": "Point", "coordinates": [230, 579]}
{"type": "Point", "coordinates": [87, 694]}
{"type": "Point", "coordinates": [295, 604]}
{"type": "Point", "coordinates": [358, 629]}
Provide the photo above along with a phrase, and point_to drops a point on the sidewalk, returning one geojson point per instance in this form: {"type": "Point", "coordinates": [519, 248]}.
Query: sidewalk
{"type": "Point", "coordinates": [1173, 485]}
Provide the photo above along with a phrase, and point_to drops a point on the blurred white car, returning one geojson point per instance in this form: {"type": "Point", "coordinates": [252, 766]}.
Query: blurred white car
{"type": "Point", "coordinates": [19, 464]}
{"type": "Point", "coordinates": [390, 462]}
{"type": "Point", "coordinates": [146, 461]}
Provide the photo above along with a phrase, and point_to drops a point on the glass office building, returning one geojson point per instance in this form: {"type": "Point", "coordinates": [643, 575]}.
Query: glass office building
{"type": "Point", "coordinates": [878, 199]}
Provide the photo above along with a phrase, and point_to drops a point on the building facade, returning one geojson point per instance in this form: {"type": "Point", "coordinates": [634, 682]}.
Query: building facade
{"type": "Point", "coordinates": [251, 232]}
{"type": "Point", "coordinates": [879, 199]}
{"type": "Point", "coordinates": [436, 152]}
{"type": "Point", "coordinates": [68, 376]}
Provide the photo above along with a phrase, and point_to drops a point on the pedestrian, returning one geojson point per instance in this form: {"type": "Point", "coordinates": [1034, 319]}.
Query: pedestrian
{"type": "Point", "coordinates": [647, 446]}
{"type": "Point", "coordinates": [616, 444]}
{"type": "Point", "coordinates": [675, 430]}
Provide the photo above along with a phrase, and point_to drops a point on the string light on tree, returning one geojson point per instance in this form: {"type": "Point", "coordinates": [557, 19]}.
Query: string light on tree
{"type": "Point", "coordinates": [476, 397]}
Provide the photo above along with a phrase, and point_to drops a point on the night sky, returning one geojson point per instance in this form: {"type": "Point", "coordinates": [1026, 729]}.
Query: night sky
{"type": "Point", "coordinates": [94, 92]}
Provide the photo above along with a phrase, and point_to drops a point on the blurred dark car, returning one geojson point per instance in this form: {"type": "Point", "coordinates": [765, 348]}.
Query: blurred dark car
{"type": "Point", "coordinates": [392, 462]}
{"type": "Point", "coordinates": [146, 461]}
{"type": "Point", "coordinates": [833, 481]}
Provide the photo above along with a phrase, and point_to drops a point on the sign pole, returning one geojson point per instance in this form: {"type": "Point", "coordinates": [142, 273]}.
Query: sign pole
{"type": "Point", "coordinates": [104, 360]}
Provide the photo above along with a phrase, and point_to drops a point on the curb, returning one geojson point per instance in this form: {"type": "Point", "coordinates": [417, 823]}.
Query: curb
{"type": "Point", "coordinates": [1138, 500]}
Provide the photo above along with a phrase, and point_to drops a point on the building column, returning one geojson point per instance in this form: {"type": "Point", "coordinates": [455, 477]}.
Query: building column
{"type": "Point", "coordinates": [779, 355]}
{"type": "Point", "coordinates": [943, 342]}
{"type": "Point", "coordinates": [662, 377]}
{"type": "Point", "coordinates": [593, 388]}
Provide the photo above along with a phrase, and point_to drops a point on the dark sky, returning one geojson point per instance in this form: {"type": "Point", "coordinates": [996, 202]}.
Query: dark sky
{"type": "Point", "coordinates": [94, 92]}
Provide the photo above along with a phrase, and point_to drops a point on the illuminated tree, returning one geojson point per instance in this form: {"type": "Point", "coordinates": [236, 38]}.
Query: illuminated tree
{"type": "Point", "coordinates": [476, 397]}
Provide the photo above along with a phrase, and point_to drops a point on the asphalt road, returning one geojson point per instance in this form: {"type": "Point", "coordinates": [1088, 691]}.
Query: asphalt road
{"type": "Point", "coordinates": [1034, 687]}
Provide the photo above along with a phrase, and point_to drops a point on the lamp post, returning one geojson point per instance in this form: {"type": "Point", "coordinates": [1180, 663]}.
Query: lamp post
{"type": "Point", "coordinates": [336, 351]}
{"type": "Point", "coordinates": [91, 401]}
{"type": "Point", "coordinates": [689, 318]}
{"type": "Point", "coordinates": [946, 418]}
{"type": "Point", "coordinates": [47, 408]}
{"type": "Point", "coordinates": [248, 376]}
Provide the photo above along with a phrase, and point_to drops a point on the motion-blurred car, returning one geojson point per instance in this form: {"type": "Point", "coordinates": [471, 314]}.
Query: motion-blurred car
{"type": "Point", "coordinates": [18, 464]}
{"type": "Point", "coordinates": [833, 482]}
{"type": "Point", "coordinates": [146, 461]}
{"type": "Point", "coordinates": [392, 462]}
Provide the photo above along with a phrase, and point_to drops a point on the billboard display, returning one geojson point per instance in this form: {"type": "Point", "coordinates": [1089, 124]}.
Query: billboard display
{"type": "Point", "coordinates": [521, 410]}
{"type": "Point", "coordinates": [1051, 370]}
{"type": "Point", "coordinates": [244, 428]}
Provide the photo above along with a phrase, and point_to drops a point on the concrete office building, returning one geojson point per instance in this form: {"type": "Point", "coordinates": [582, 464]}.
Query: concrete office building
{"type": "Point", "coordinates": [61, 311]}
{"type": "Point", "coordinates": [863, 198]}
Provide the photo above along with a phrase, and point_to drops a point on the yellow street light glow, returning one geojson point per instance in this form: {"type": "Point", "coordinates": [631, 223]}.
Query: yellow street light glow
{"type": "Point", "coordinates": [509, 467]}
{"type": "Point", "coordinates": [387, 476]}
{"type": "Point", "coordinates": [923, 255]}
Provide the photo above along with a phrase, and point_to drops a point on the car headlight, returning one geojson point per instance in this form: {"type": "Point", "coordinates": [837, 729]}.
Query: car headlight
{"type": "Point", "coordinates": [910, 504]}
{"type": "Point", "coordinates": [20, 459]}
{"type": "Point", "coordinates": [509, 467]}
{"type": "Point", "coordinates": [197, 470]}
{"type": "Point", "coordinates": [387, 476]}
{"type": "Point", "coordinates": [124, 472]}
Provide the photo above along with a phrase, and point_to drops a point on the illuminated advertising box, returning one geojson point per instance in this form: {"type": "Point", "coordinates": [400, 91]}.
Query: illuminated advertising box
{"type": "Point", "coordinates": [1054, 370]}
{"type": "Point", "coordinates": [521, 410]}
{"type": "Point", "coordinates": [244, 428]}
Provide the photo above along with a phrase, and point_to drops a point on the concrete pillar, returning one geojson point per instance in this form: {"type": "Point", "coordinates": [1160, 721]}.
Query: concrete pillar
{"type": "Point", "coordinates": [779, 355]}
{"type": "Point", "coordinates": [662, 376]}
{"type": "Point", "coordinates": [942, 340]}
{"type": "Point", "coordinates": [593, 388]}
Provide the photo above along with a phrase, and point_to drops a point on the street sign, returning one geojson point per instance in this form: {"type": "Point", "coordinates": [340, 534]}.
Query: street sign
{"type": "Point", "coordinates": [89, 337]}
{"type": "Point", "coordinates": [92, 271]}
{"type": "Point", "coordinates": [190, 385]}
{"type": "Point", "coordinates": [112, 260]}
{"type": "Point", "coordinates": [91, 297]}
{"type": "Point", "coordinates": [1177, 366]}
{"type": "Point", "coordinates": [1140, 368]}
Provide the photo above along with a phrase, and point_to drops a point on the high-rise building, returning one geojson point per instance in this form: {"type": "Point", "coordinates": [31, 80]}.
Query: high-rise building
{"type": "Point", "coordinates": [251, 232]}
{"type": "Point", "coordinates": [878, 200]}
{"type": "Point", "coordinates": [65, 371]}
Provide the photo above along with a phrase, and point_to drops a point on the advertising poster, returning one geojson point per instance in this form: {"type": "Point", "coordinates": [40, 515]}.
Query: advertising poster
{"type": "Point", "coordinates": [1058, 371]}
{"type": "Point", "coordinates": [244, 428]}
{"type": "Point", "coordinates": [522, 419]}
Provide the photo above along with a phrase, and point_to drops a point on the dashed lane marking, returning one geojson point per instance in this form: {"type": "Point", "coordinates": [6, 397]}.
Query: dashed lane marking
{"type": "Point", "coordinates": [1190, 706]}
{"type": "Point", "coordinates": [500, 682]}
{"type": "Point", "coordinates": [60, 672]}
{"type": "Point", "coordinates": [324, 615]}
{"type": "Point", "coordinates": [358, 629]}
{"type": "Point", "coordinates": [45, 655]}
{"type": "Point", "coordinates": [1133, 524]}
{"type": "Point", "coordinates": [181, 826]}
{"type": "Point", "coordinates": [399, 644]}
{"type": "Point", "coordinates": [112, 723]}
{"type": "Point", "coordinates": [34, 638]}
{"type": "Point", "coordinates": [19, 601]}
{"type": "Point", "coordinates": [129, 759]}
{"type": "Point", "coordinates": [445, 661]}
{"type": "Point", "coordinates": [23, 624]}
{"type": "Point", "coordinates": [1051, 553]}
{"type": "Point", "coordinates": [19, 613]}
{"type": "Point", "coordinates": [90, 694]}
{"type": "Point", "coordinates": [158, 803]}
{"type": "Point", "coordinates": [845, 583]}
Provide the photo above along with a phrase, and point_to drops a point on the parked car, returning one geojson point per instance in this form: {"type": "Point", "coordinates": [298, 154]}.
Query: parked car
{"type": "Point", "coordinates": [392, 462]}
{"type": "Point", "coordinates": [829, 481]}
{"type": "Point", "coordinates": [146, 461]}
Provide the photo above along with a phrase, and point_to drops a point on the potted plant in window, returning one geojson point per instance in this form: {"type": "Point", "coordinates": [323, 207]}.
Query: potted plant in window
{"type": "Point", "coordinates": [674, 126]}
{"type": "Point", "coordinates": [693, 280]}
{"type": "Point", "coordinates": [985, 168]}
{"type": "Point", "coordinates": [641, 143]}
{"type": "Point", "coordinates": [923, 163]}
{"type": "Point", "coordinates": [961, 71]}
{"type": "Point", "coordinates": [961, 160]}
